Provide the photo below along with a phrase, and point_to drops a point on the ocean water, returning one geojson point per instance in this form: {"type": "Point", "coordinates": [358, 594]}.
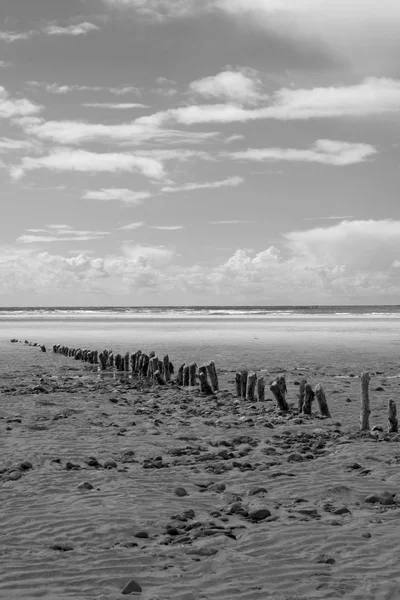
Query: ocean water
{"type": "Point", "coordinates": [337, 339]}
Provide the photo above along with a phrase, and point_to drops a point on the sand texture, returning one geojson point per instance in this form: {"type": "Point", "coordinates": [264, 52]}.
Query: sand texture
{"type": "Point", "coordinates": [193, 497]}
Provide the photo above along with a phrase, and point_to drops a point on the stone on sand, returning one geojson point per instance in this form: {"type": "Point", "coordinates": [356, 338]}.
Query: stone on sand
{"type": "Point", "coordinates": [132, 587]}
{"type": "Point", "coordinates": [85, 485]}
{"type": "Point", "coordinates": [180, 491]}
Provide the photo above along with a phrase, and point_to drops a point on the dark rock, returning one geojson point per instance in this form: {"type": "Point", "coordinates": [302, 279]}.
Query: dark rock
{"type": "Point", "coordinates": [295, 457]}
{"type": "Point", "coordinates": [132, 587]}
{"type": "Point", "coordinates": [258, 514]}
{"type": "Point", "coordinates": [366, 535]}
{"type": "Point", "coordinates": [343, 510]}
{"type": "Point", "coordinates": [25, 466]}
{"type": "Point", "coordinates": [141, 534]}
{"type": "Point", "coordinates": [109, 464]}
{"type": "Point", "coordinates": [85, 485]}
{"type": "Point", "coordinates": [180, 491]}
{"type": "Point", "coordinates": [62, 547]}
{"type": "Point", "coordinates": [257, 490]}
{"type": "Point", "coordinates": [323, 559]}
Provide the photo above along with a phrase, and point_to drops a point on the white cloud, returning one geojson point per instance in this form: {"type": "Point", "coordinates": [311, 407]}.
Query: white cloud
{"type": "Point", "coordinates": [372, 97]}
{"type": "Point", "coordinates": [114, 105]}
{"type": "Point", "coordinates": [125, 89]}
{"type": "Point", "coordinates": [349, 262]}
{"type": "Point", "coordinates": [4, 64]}
{"type": "Point", "coordinates": [16, 107]}
{"type": "Point", "coordinates": [57, 88]}
{"type": "Point", "coordinates": [132, 226]}
{"type": "Point", "coordinates": [242, 86]}
{"type": "Point", "coordinates": [8, 145]}
{"type": "Point", "coordinates": [124, 195]}
{"type": "Point", "coordinates": [165, 81]}
{"type": "Point", "coordinates": [59, 233]}
{"type": "Point", "coordinates": [167, 227]}
{"type": "Point", "coordinates": [74, 30]}
{"type": "Point", "coordinates": [133, 133]}
{"type": "Point", "coordinates": [14, 36]}
{"type": "Point", "coordinates": [360, 31]}
{"type": "Point", "coordinates": [186, 187]}
{"type": "Point", "coordinates": [63, 160]}
{"type": "Point", "coordinates": [232, 222]}
{"type": "Point", "coordinates": [234, 138]}
{"type": "Point", "coordinates": [327, 152]}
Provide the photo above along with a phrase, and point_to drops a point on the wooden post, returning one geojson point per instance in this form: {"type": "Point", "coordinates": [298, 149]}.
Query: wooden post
{"type": "Point", "coordinates": [152, 354]}
{"type": "Point", "coordinates": [251, 386]}
{"type": "Point", "coordinates": [117, 361]}
{"type": "Point", "coordinates": [138, 354]}
{"type": "Point", "coordinates": [301, 394]}
{"type": "Point", "coordinates": [144, 367]}
{"type": "Point", "coordinates": [78, 354]}
{"type": "Point", "coordinates": [308, 399]}
{"type": "Point", "coordinates": [212, 375]}
{"type": "Point", "coordinates": [321, 399]}
{"type": "Point", "coordinates": [192, 373]}
{"type": "Point", "coordinates": [111, 359]}
{"type": "Point", "coordinates": [365, 411]}
{"type": "Point", "coordinates": [205, 387]}
{"type": "Point", "coordinates": [238, 383]}
{"type": "Point", "coordinates": [392, 417]}
{"type": "Point", "coordinates": [55, 348]}
{"type": "Point", "coordinates": [186, 376]}
{"type": "Point", "coordinates": [167, 373]}
{"type": "Point", "coordinates": [261, 389]}
{"type": "Point", "coordinates": [278, 388]}
{"type": "Point", "coordinates": [133, 362]}
{"type": "Point", "coordinates": [126, 362]}
{"type": "Point", "coordinates": [244, 375]}
{"type": "Point", "coordinates": [102, 360]}
{"type": "Point", "coordinates": [179, 376]}
{"type": "Point", "coordinates": [159, 379]}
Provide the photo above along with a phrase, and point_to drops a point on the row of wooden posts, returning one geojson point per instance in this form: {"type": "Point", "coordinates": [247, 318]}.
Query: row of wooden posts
{"type": "Point", "coordinates": [393, 424]}
{"type": "Point", "coordinates": [148, 366]}
{"type": "Point", "coordinates": [247, 384]}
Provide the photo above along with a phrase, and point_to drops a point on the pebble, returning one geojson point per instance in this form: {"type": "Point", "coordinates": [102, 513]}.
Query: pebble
{"type": "Point", "coordinates": [295, 457]}
{"type": "Point", "coordinates": [366, 535]}
{"type": "Point", "coordinates": [180, 491]}
{"type": "Point", "coordinates": [62, 547]}
{"type": "Point", "coordinates": [343, 510]}
{"type": "Point", "coordinates": [257, 490]}
{"type": "Point", "coordinates": [385, 498]}
{"type": "Point", "coordinates": [109, 464]}
{"type": "Point", "coordinates": [131, 587]}
{"type": "Point", "coordinates": [141, 534]}
{"type": "Point", "coordinates": [259, 514]}
{"type": "Point", "coordinates": [26, 465]}
{"type": "Point", "coordinates": [327, 560]}
{"type": "Point", "coordinates": [85, 485]}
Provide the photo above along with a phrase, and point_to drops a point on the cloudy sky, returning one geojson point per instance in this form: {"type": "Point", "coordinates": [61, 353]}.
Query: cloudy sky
{"type": "Point", "coordinates": [199, 152]}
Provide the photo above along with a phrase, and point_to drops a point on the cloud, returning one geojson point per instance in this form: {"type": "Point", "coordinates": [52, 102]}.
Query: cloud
{"type": "Point", "coordinates": [232, 222]}
{"type": "Point", "coordinates": [74, 30]}
{"type": "Point", "coordinates": [165, 81]}
{"type": "Point", "coordinates": [14, 36]}
{"type": "Point", "coordinates": [4, 64]}
{"type": "Point", "coordinates": [370, 98]}
{"type": "Point", "coordinates": [242, 86]}
{"type": "Point", "coordinates": [167, 227]}
{"type": "Point", "coordinates": [234, 138]}
{"type": "Point", "coordinates": [330, 218]}
{"type": "Point", "coordinates": [355, 32]}
{"type": "Point", "coordinates": [8, 145]}
{"type": "Point", "coordinates": [57, 88]}
{"type": "Point", "coordinates": [124, 195]}
{"type": "Point", "coordinates": [59, 233]}
{"type": "Point", "coordinates": [327, 152]}
{"type": "Point", "coordinates": [62, 160]}
{"type": "Point", "coordinates": [114, 105]}
{"type": "Point", "coordinates": [348, 262]}
{"type": "Point", "coordinates": [186, 187]}
{"type": "Point", "coordinates": [79, 132]}
{"type": "Point", "coordinates": [16, 107]}
{"type": "Point", "coordinates": [132, 226]}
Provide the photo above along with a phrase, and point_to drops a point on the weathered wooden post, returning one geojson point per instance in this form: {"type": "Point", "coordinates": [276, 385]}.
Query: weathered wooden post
{"type": "Point", "coordinates": [301, 394]}
{"type": "Point", "coordinates": [103, 362]}
{"type": "Point", "coordinates": [126, 362]}
{"type": "Point", "coordinates": [392, 417]}
{"type": "Point", "coordinates": [238, 383]}
{"type": "Point", "coordinates": [167, 373]}
{"type": "Point", "coordinates": [43, 348]}
{"type": "Point", "coordinates": [321, 399]}
{"type": "Point", "coordinates": [179, 376]}
{"type": "Point", "coordinates": [153, 367]}
{"type": "Point", "coordinates": [278, 388]}
{"type": "Point", "coordinates": [55, 348]}
{"type": "Point", "coordinates": [244, 376]}
{"type": "Point", "coordinates": [205, 387]}
{"type": "Point", "coordinates": [365, 411]}
{"type": "Point", "coordinates": [212, 375]}
{"type": "Point", "coordinates": [186, 376]}
{"type": "Point", "coordinates": [144, 367]}
{"type": "Point", "coordinates": [308, 399]}
{"type": "Point", "coordinates": [78, 354]}
{"type": "Point", "coordinates": [117, 361]}
{"type": "Point", "coordinates": [251, 386]}
{"type": "Point", "coordinates": [137, 364]}
{"type": "Point", "coordinates": [192, 373]}
{"type": "Point", "coordinates": [90, 357]}
{"type": "Point", "coordinates": [111, 359]}
{"type": "Point", "coordinates": [261, 389]}
{"type": "Point", "coordinates": [158, 378]}
{"type": "Point", "coordinates": [152, 354]}
{"type": "Point", "coordinates": [133, 362]}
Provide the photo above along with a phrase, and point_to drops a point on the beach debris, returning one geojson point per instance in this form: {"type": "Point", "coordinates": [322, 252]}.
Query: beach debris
{"type": "Point", "coordinates": [392, 418]}
{"type": "Point", "coordinates": [279, 390]}
{"type": "Point", "coordinates": [365, 410]}
{"type": "Point", "coordinates": [321, 399]}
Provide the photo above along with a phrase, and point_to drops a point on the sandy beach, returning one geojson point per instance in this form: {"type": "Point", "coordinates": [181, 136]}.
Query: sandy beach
{"type": "Point", "coordinates": [107, 480]}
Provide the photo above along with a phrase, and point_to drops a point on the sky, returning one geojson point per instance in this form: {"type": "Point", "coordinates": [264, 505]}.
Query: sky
{"type": "Point", "coordinates": [199, 152]}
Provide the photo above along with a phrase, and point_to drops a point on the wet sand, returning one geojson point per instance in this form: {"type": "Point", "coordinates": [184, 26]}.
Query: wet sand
{"type": "Point", "coordinates": [273, 505]}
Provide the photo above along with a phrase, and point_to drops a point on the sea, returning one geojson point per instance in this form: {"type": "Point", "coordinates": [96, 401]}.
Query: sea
{"type": "Point", "coordinates": [338, 339]}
